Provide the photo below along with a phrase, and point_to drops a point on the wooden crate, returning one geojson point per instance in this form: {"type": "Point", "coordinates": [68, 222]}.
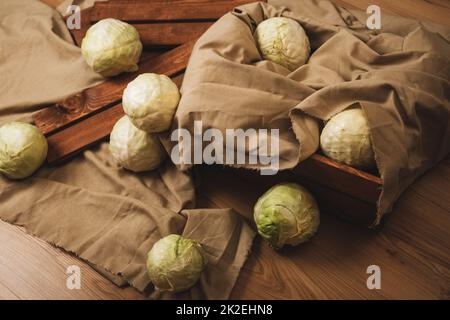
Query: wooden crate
{"type": "Point", "coordinates": [168, 30]}
{"type": "Point", "coordinates": [342, 190]}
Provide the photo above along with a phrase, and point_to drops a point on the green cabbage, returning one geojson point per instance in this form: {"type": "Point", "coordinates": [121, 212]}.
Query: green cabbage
{"type": "Point", "coordinates": [111, 47]}
{"type": "Point", "coordinates": [23, 149]}
{"type": "Point", "coordinates": [286, 214]}
{"type": "Point", "coordinates": [346, 138]}
{"type": "Point", "coordinates": [175, 263]}
{"type": "Point", "coordinates": [135, 149]}
{"type": "Point", "coordinates": [150, 101]}
{"type": "Point", "coordinates": [283, 41]}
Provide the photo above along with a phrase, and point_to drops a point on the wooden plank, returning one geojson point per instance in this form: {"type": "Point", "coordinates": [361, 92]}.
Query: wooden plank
{"type": "Point", "coordinates": [164, 10]}
{"type": "Point", "coordinates": [412, 250]}
{"type": "Point", "coordinates": [344, 205]}
{"type": "Point", "coordinates": [151, 34]}
{"type": "Point", "coordinates": [109, 92]}
{"type": "Point", "coordinates": [31, 268]}
{"type": "Point", "coordinates": [341, 177]}
{"type": "Point", "coordinates": [80, 136]}
{"type": "Point", "coordinates": [66, 143]}
{"type": "Point", "coordinates": [170, 34]}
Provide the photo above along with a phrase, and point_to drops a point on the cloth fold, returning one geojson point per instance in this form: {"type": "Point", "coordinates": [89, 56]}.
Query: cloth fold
{"type": "Point", "coordinates": [38, 62]}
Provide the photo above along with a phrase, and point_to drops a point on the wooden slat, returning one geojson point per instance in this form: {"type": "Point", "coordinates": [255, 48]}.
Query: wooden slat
{"type": "Point", "coordinates": [67, 143]}
{"type": "Point", "coordinates": [170, 34]}
{"type": "Point", "coordinates": [341, 177]}
{"type": "Point", "coordinates": [164, 10]}
{"type": "Point", "coordinates": [329, 197]}
{"type": "Point", "coordinates": [82, 135]}
{"type": "Point", "coordinates": [341, 204]}
{"type": "Point", "coordinates": [151, 34]}
{"type": "Point", "coordinates": [325, 173]}
{"type": "Point", "coordinates": [110, 92]}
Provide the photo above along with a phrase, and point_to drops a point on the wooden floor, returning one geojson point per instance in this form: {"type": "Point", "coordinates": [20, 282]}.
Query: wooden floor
{"type": "Point", "coordinates": [412, 249]}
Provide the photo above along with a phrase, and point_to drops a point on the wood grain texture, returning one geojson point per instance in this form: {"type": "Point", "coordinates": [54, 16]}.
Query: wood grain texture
{"type": "Point", "coordinates": [109, 92]}
{"type": "Point", "coordinates": [170, 34]}
{"type": "Point", "coordinates": [412, 249]}
{"type": "Point", "coordinates": [64, 144]}
{"type": "Point", "coordinates": [341, 204]}
{"type": "Point", "coordinates": [341, 177]}
{"type": "Point", "coordinates": [164, 10]}
{"type": "Point", "coordinates": [437, 11]}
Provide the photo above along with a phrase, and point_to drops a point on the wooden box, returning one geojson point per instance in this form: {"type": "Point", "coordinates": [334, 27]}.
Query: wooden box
{"type": "Point", "coordinates": [168, 30]}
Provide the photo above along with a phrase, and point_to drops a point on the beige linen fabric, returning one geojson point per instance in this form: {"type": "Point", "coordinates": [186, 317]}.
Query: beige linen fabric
{"type": "Point", "coordinates": [38, 62]}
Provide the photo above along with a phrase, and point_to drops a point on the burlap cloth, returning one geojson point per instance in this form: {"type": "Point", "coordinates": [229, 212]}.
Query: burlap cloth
{"type": "Point", "coordinates": [111, 217]}
{"type": "Point", "coordinates": [399, 75]}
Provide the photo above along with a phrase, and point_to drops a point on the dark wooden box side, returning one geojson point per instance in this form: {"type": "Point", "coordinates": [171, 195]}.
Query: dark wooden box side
{"type": "Point", "coordinates": [329, 200]}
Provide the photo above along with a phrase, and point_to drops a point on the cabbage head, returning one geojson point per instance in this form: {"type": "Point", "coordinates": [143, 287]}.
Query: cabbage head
{"type": "Point", "coordinates": [283, 41]}
{"type": "Point", "coordinates": [23, 149]}
{"type": "Point", "coordinates": [346, 138]}
{"type": "Point", "coordinates": [135, 149]}
{"type": "Point", "coordinates": [286, 214]}
{"type": "Point", "coordinates": [175, 263]}
{"type": "Point", "coordinates": [111, 47]}
{"type": "Point", "coordinates": [150, 101]}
